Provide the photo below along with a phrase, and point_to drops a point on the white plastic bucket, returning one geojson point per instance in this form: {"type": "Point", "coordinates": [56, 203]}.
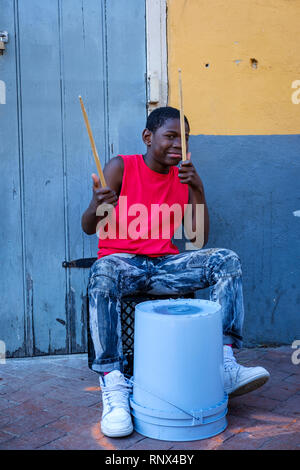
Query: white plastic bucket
{"type": "Point", "coordinates": [178, 389]}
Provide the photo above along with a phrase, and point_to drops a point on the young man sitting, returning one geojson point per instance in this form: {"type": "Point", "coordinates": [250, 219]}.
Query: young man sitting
{"type": "Point", "coordinates": [138, 257]}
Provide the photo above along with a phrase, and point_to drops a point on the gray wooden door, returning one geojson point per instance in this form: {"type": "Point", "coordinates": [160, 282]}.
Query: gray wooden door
{"type": "Point", "coordinates": [57, 50]}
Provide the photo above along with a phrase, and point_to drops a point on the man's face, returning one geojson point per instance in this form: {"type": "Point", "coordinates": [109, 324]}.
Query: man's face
{"type": "Point", "coordinates": [166, 143]}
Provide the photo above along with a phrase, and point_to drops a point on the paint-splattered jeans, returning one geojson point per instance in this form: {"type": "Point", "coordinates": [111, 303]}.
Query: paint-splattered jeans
{"type": "Point", "coordinates": [121, 274]}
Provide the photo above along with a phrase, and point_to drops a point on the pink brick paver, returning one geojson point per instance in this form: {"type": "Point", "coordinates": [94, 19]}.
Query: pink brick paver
{"type": "Point", "coordinates": [54, 402]}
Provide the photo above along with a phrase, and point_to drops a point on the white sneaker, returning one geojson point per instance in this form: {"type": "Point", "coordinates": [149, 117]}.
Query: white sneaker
{"type": "Point", "coordinates": [116, 420]}
{"type": "Point", "coordinates": [239, 379]}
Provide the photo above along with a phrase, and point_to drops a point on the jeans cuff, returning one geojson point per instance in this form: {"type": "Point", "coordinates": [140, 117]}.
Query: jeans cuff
{"type": "Point", "coordinates": [108, 367]}
{"type": "Point", "coordinates": [227, 339]}
{"type": "Point", "coordinates": [236, 343]}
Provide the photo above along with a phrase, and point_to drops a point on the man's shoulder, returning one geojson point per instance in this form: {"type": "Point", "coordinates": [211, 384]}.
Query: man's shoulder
{"type": "Point", "coordinates": [113, 172]}
{"type": "Point", "coordinates": [116, 162]}
{"type": "Point", "coordinates": [134, 157]}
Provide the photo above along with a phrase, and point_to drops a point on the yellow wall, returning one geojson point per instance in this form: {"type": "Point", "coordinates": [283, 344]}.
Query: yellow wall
{"type": "Point", "coordinates": [230, 97]}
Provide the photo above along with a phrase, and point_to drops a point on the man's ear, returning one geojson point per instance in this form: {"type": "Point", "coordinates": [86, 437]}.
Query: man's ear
{"type": "Point", "coordinates": [147, 137]}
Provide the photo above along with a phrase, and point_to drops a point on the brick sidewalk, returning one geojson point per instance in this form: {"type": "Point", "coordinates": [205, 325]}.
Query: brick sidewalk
{"type": "Point", "coordinates": [54, 403]}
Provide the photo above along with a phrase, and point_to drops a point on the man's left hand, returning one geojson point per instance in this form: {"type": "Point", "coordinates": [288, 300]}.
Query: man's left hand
{"type": "Point", "coordinates": [188, 175]}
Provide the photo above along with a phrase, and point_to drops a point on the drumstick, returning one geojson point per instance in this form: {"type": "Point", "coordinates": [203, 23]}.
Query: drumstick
{"type": "Point", "coordinates": [95, 153]}
{"type": "Point", "coordinates": [182, 123]}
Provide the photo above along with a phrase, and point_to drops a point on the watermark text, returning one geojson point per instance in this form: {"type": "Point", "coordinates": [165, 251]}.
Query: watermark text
{"type": "Point", "coordinates": [296, 354]}
{"type": "Point", "coordinates": [296, 94]}
{"type": "Point", "coordinates": [161, 222]}
{"type": "Point", "coordinates": [2, 352]}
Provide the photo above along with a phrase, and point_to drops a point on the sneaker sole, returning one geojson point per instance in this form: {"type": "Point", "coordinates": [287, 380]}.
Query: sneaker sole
{"type": "Point", "coordinates": [249, 386]}
{"type": "Point", "coordinates": [124, 432]}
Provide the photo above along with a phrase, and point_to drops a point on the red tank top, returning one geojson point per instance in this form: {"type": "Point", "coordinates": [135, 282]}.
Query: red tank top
{"type": "Point", "coordinates": [150, 209]}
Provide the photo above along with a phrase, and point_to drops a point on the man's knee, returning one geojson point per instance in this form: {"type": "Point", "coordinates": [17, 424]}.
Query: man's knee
{"type": "Point", "coordinates": [226, 262]}
{"type": "Point", "coordinates": [104, 276]}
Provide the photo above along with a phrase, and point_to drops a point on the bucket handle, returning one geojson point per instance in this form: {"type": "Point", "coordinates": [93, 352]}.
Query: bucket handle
{"type": "Point", "coordinates": [197, 415]}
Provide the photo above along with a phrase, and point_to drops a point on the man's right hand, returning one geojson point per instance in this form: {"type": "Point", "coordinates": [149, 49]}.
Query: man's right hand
{"type": "Point", "coordinates": [113, 173]}
{"type": "Point", "coordinates": [102, 195]}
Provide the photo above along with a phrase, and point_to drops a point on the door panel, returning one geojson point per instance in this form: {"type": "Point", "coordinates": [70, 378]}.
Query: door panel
{"type": "Point", "coordinates": [42, 135]}
{"type": "Point", "coordinates": [58, 50]}
{"type": "Point", "coordinates": [126, 65]}
{"type": "Point", "coordinates": [83, 74]}
{"type": "Point", "coordinates": [13, 329]}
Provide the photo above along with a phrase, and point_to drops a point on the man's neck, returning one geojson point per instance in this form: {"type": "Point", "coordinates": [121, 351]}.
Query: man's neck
{"type": "Point", "coordinates": [154, 165]}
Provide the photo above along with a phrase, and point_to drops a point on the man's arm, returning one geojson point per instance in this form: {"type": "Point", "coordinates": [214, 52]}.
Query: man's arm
{"type": "Point", "coordinates": [113, 173]}
{"type": "Point", "coordinates": [197, 196]}
{"type": "Point", "coordinates": [188, 175]}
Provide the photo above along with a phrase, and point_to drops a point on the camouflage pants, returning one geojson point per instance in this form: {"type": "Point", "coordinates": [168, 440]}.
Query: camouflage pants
{"type": "Point", "coordinates": [120, 274]}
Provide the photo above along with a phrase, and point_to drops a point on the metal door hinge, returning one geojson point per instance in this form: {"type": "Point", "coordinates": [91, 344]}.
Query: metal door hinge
{"type": "Point", "coordinates": [79, 263]}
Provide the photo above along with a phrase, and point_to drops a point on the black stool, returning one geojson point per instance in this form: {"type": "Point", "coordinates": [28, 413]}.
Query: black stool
{"type": "Point", "coordinates": [128, 304]}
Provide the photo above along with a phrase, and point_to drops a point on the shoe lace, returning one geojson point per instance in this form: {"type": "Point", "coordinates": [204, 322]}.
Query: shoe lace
{"type": "Point", "coordinates": [230, 363]}
{"type": "Point", "coordinates": [116, 394]}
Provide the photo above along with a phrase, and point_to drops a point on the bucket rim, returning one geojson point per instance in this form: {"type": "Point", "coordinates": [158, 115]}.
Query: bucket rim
{"type": "Point", "coordinates": [213, 307]}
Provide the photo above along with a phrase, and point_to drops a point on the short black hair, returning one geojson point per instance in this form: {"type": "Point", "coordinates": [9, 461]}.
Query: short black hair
{"type": "Point", "coordinates": [159, 116]}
